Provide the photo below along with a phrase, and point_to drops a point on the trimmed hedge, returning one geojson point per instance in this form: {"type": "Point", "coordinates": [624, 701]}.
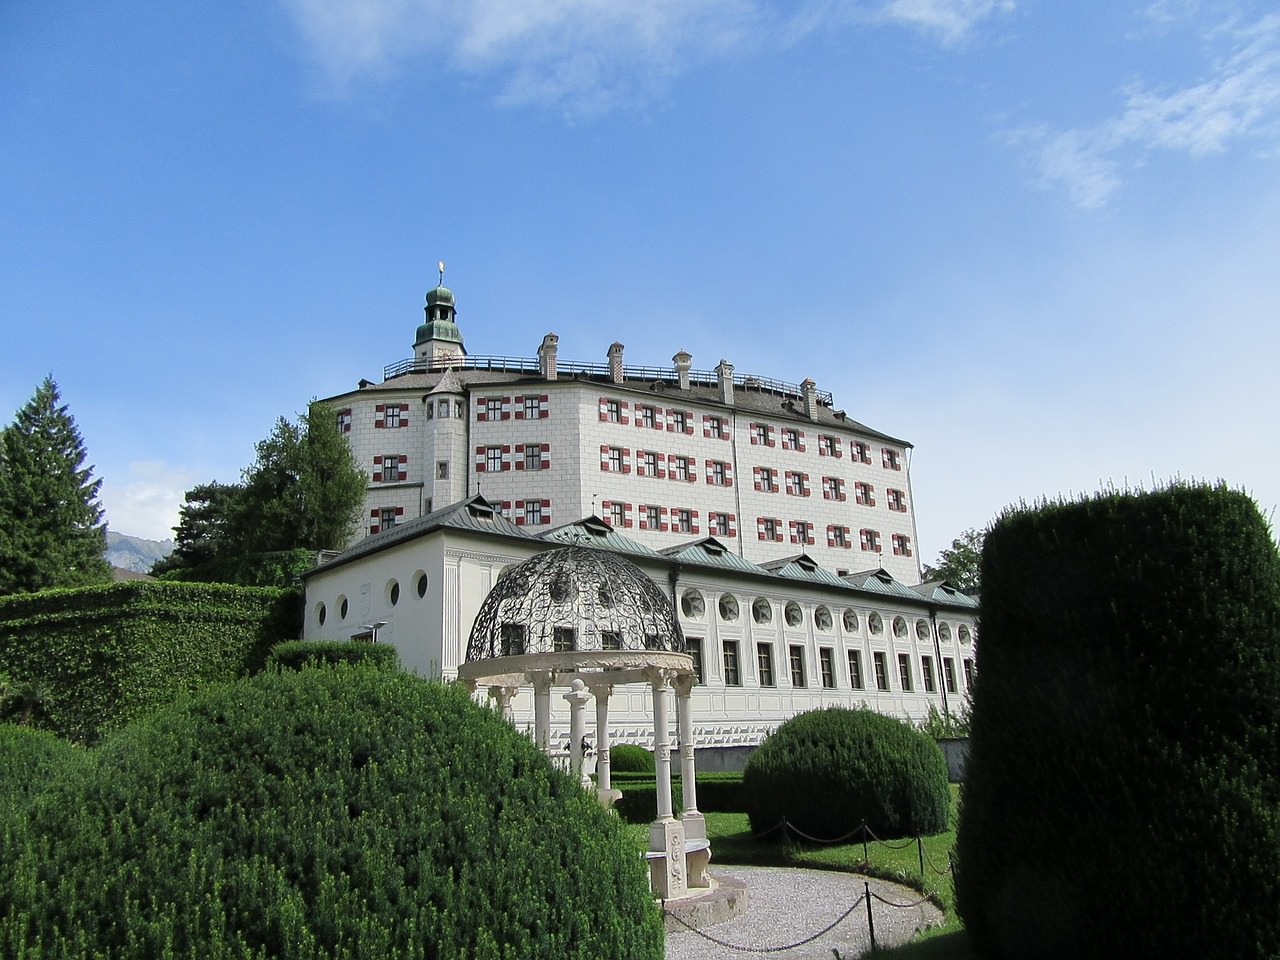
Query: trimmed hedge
{"type": "Point", "coordinates": [721, 793]}
{"type": "Point", "coordinates": [296, 654]}
{"type": "Point", "coordinates": [111, 653]}
{"type": "Point", "coordinates": [340, 813]}
{"type": "Point", "coordinates": [29, 760]}
{"type": "Point", "coordinates": [628, 758]}
{"type": "Point", "coordinates": [1122, 791]}
{"type": "Point", "coordinates": [639, 800]}
{"type": "Point", "coordinates": [826, 771]}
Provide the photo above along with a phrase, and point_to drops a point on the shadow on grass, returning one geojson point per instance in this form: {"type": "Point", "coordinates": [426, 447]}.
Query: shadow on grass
{"type": "Point", "coordinates": [944, 946]}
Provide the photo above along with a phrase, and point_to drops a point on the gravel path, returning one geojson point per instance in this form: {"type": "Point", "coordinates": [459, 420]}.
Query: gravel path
{"type": "Point", "coordinates": [785, 905]}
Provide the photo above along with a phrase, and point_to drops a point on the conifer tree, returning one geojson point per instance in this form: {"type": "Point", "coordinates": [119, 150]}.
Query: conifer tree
{"type": "Point", "coordinates": [52, 532]}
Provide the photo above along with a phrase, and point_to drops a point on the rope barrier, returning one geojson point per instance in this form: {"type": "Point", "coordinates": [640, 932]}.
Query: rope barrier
{"type": "Point", "coordinates": [804, 836]}
{"type": "Point", "coordinates": [929, 860]}
{"type": "Point", "coordinates": [900, 906]}
{"type": "Point", "coordinates": [749, 949]}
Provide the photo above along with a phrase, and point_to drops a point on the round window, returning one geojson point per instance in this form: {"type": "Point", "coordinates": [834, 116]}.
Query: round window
{"type": "Point", "coordinates": [944, 632]}
{"type": "Point", "coordinates": [692, 604]}
{"type": "Point", "coordinates": [922, 629]}
{"type": "Point", "coordinates": [822, 618]}
{"type": "Point", "coordinates": [728, 607]}
{"type": "Point", "coordinates": [761, 610]}
{"type": "Point", "coordinates": [875, 624]}
{"type": "Point", "coordinates": [793, 613]}
{"type": "Point", "coordinates": [900, 627]}
{"type": "Point", "coordinates": [850, 620]}
{"type": "Point", "coordinates": [964, 634]}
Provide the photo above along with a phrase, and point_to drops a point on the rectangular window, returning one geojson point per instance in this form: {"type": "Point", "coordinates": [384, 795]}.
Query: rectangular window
{"type": "Point", "coordinates": [391, 416]}
{"type": "Point", "coordinates": [861, 451]}
{"type": "Point", "coordinates": [926, 673]}
{"type": "Point", "coordinates": [533, 511]}
{"type": "Point", "coordinates": [949, 674]}
{"type": "Point", "coordinates": [610, 640]}
{"type": "Point", "coordinates": [679, 421]}
{"type": "Point", "coordinates": [442, 469]}
{"type": "Point", "coordinates": [837, 536]}
{"type": "Point", "coordinates": [650, 464]}
{"type": "Point", "coordinates": [680, 468]}
{"type": "Point", "coordinates": [714, 427]}
{"type": "Point", "coordinates": [795, 659]}
{"type": "Point", "coordinates": [533, 408]}
{"type": "Point", "coordinates": [615, 459]}
{"type": "Point", "coordinates": [762, 434]}
{"type": "Point", "coordinates": [344, 420]}
{"type": "Point", "coordinates": [764, 663]}
{"type": "Point", "coordinates": [533, 456]}
{"type": "Point", "coordinates": [882, 670]}
{"type": "Point", "coordinates": [892, 461]}
{"type": "Point", "coordinates": [803, 531]}
{"type": "Point", "coordinates": [897, 500]}
{"type": "Point", "coordinates": [613, 411]}
{"type": "Point", "coordinates": [869, 540]}
{"type": "Point", "coordinates": [855, 669]}
{"type": "Point", "coordinates": [766, 479]}
{"type": "Point", "coordinates": [731, 676]}
{"type": "Point", "coordinates": [968, 674]}
{"type": "Point", "coordinates": [647, 417]}
{"type": "Point", "coordinates": [864, 494]}
{"type": "Point", "coordinates": [828, 446]}
{"type": "Point", "coordinates": [717, 473]}
{"type": "Point", "coordinates": [444, 409]}
{"type": "Point", "coordinates": [797, 483]}
{"type": "Point", "coordinates": [493, 408]}
{"type": "Point", "coordinates": [720, 524]}
{"type": "Point", "coordinates": [388, 470]}
{"type": "Point", "coordinates": [826, 665]}
{"type": "Point", "coordinates": [512, 638]}
{"type": "Point", "coordinates": [493, 459]}
{"type": "Point", "coordinates": [693, 647]}
{"type": "Point", "coordinates": [832, 488]}
{"type": "Point", "coordinates": [770, 528]}
{"type": "Point", "coordinates": [562, 639]}
{"type": "Point", "coordinates": [617, 515]}
{"type": "Point", "coordinates": [904, 671]}
{"type": "Point", "coordinates": [901, 545]}
{"type": "Point", "coordinates": [683, 521]}
{"type": "Point", "coordinates": [387, 517]}
{"type": "Point", "coordinates": [652, 517]}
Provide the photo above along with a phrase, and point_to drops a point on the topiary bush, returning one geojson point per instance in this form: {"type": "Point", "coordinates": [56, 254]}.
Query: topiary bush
{"type": "Point", "coordinates": [340, 813]}
{"type": "Point", "coordinates": [628, 758]}
{"type": "Point", "coordinates": [296, 654]}
{"type": "Point", "coordinates": [1122, 791]}
{"type": "Point", "coordinates": [826, 771]}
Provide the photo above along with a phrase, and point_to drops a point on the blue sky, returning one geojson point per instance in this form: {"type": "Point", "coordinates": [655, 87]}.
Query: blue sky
{"type": "Point", "coordinates": [1038, 240]}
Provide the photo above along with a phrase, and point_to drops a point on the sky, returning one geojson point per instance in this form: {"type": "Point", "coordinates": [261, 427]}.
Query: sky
{"type": "Point", "coordinates": [1040, 241]}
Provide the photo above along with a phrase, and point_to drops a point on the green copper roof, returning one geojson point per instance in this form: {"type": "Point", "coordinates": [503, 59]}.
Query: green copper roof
{"type": "Point", "coordinates": [440, 294]}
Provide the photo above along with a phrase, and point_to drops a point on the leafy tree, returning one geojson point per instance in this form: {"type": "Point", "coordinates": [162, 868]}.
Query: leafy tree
{"type": "Point", "coordinates": [961, 564]}
{"type": "Point", "coordinates": [52, 532]}
{"type": "Point", "coordinates": [203, 534]}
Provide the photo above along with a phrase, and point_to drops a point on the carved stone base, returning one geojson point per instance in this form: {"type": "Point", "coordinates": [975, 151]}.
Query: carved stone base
{"type": "Point", "coordinates": [667, 877]}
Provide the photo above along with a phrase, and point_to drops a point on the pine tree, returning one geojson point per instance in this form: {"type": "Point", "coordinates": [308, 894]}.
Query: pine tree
{"type": "Point", "coordinates": [52, 532]}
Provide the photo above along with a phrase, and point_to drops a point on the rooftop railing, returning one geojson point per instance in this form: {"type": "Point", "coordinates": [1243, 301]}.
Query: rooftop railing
{"type": "Point", "coordinates": [669, 375]}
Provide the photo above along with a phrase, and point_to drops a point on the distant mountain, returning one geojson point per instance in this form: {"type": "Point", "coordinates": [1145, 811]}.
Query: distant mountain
{"type": "Point", "coordinates": [134, 553]}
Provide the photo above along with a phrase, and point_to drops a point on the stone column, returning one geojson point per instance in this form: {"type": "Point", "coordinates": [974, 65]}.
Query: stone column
{"type": "Point", "coordinates": [577, 698]}
{"type": "Point", "coordinates": [667, 873]}
{"type": "Point", "coordinates": [697, 849]}
{"type": "Point", "coordinates": [542, 709]}
{"type": "Point", "coordinates": [502, 696]}
{"type": "Point", "coordinates": [601, 689]}
{"type": "Point", "coordinates": [662, 742]}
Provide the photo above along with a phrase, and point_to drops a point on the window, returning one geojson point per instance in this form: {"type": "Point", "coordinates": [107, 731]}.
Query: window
{"type": "Point", "coordinates": [897, 500]}
{"type": "Point", "coordinates": [904, 671]}
{"type": "Point", "coordinates": [792, 614]}
{"type": "Point", "coordinates": [949, 674]}
{"type": "Point", "coordinates": [761, 611]}
{"type": "Point", "coordinates": [855, 669]}
{"type": "Point", "coordinates": [714, 427]}
{"type": "Point", "coordinates": [892, 461]}
{"type": "Point", "coordinates": [792, 439]}
{"type": "Point", "coordinates": [678, 422]}
{"type": "Point", "coordinates": [822, 618]}
{"type": "Point", "coordinates": [850, 620]}
{"type": "Point", "coordinates": [728, 607]}
{"type": "Point", "coordinates": [963, 633]}
{"type": "Point", "coordinates": [797, 483]}
{"type": "Point", "coordinates": [874, 624]}
{"type": "Point", "coordinates": [683, 520]}
{"type": "Point", "coordinates": [458, 411]}
{"type": "Point", "coordinates": [801, 531]}
{"type": "Point", "coordinates": [826, 667]}
{"type": "Point", "coordinates": [882, 671]}
{"type": "Point", "coordinates": [766, 479]}
{"type": "Point", "coordinates": [613, 411]}
{"type": "Point", "coordinates": [764, 663]}
{"type": "Point", "coordinates": [647, 417]}
{"type": "Point", "coordinates": [533, 511]}
{"type": "Point", "coordinates": [617, 515]}
{"type": "Point", "coordinates": [901, 545]}
{"type": "Point", "coordinates": [444, 409]}
{"type": "Point", "coordinates": [615, 459]}
{"type": "Point", "coordinates": [512, 639]}
{"type": "Point", "coordinates": [391, 416]}
{"type": "Point", "coordinates": [922, 629]}
{"type": "Point", "coordinates": [533, 456]}
{"type": "Point", "coordinates": [729, 650]}
{"type": "Point", "coordinates": [652, 518]}
{"type": "Point", "coordinates": [864, 494]}
{"type": "Point", "coordinates": [533, 408]}
{"type": "Point", "coordinates": [828, 446]}
{"type": "Point", "coordinates": [344, 420]}
{"type": "Point", "coordinates": [390, 472]}
{"type": "Point", "coordinates": [870, 540]}
{"type": "Point", "coordinates": [968, 673]}
{"type": "Point", "coordinates": [493, 408]}
{"type": "Point", "coordinates": [795, 658]}
{"type": "Point", "coordinates": [720, 525]}
{"type": "Point", "coordinates": [832, 488]}
{"type": "Point", "coordinates": [421, 585]}
{"type": "Point", "coordinates": [770, 528]}
{"type": "Point", "coordinates": [563, 639]}
{"type": "Point", "coordinates": [650, 464]}
{"type": "Point", "coordinates": [693, 647]}
{"type": "Point", "coordinates": [944, 632]}
{"type": "Point", "coordinates": [680, 469]}
{"type": "Point", "coordinates": [762, 434]}
{"type": "Point", "coordinates": [900, 627]}
{"type": "Point", "coordinates": [837, 535]}
{"type": "Point", "coordinates": [442, 469]}
{"type": "Point", "coordinates": [610, 640]}
{"type": "Point", "coordinates": [861, 451]}
{"type": "Point", "coordinates": [926, 673]}
{"type": "Point", "coordinates": [387, 517]}
{"type": "Point", "coordinates": [717, 473]}
{"type": "Point", "coordinates": [692, 604]}
{"type": "Point", "coordinates": [493, 459]}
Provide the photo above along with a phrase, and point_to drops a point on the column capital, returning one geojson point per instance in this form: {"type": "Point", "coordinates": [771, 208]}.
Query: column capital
{"type": "Point", "coordinates": [684, 684]}
{"type": "Point", "coordinates": [660, 677]}
{"type": "Point", "coordinates": [601, 687]}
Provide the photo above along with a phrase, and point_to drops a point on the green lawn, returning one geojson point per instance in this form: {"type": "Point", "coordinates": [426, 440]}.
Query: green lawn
{"type": "Point", "coordinates": [899, 861]}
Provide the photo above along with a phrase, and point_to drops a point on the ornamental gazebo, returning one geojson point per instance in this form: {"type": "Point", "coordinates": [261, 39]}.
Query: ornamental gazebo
{"type": "Point", "coordinates": [591, 620]}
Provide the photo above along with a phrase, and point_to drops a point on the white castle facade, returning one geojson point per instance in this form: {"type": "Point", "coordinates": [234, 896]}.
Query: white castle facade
{"type": "Point", "coordinates": [783, 530]}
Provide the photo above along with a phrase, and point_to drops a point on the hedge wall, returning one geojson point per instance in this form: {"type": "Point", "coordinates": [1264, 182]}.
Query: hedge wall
{"type": "Point", "coordinates": [296, 654]}
{"type": "Point", "coordinates": [108, 654]}
{"type": "Point", "coordinates": [1122, 791]}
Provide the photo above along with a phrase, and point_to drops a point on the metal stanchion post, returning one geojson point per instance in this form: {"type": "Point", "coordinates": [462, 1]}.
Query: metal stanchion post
{"type": "Point", "coordinates": [871, 924]}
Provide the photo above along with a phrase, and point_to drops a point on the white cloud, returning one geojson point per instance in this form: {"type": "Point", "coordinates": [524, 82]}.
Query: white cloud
{"type": "Point", "coordinates": [146, 504]}
{"type": "Point", "coordinates": [1237, 101]}
{"type": "Point", "coordinates": [949, 20]}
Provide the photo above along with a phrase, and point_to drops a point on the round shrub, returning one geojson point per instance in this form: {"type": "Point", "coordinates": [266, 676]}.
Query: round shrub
{"type": "Point", "coordinates": [339, 813]}
{"type": "Point", "coordinates": [296, 654]}
{"type": "Point", "coordinates": [827, 771]}
{"type": "Point", "coordinates": [627, 758]}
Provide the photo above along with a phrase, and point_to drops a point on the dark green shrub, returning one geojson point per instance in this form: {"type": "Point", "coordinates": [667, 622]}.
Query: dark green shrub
{"type": "Point", "coordinates": [29, 759]}
{"type": "Point", "coordinates": [349, 812]}
{"type": "Point", "coordinates": [296, 654]}
{"type": "Point", "coordinates": [1122, 792]}
{"type": "Point", "coordinates": [639, 800]}
{"type": "Point", "coordinates": [628, 758]}
{"type": "Point", "coordinates": [826, 771]}
{"type": "Point", "coordinates": [721, 793]}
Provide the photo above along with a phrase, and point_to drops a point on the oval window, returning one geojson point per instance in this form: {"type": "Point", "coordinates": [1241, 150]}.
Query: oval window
{"type": "Point", "coordinates": [822, 618]}
{"type": "Point", "coordinates": [944, 632]}
{"type": "Point", "coordinates": [875, 624]}
{"type": "Point", "coordinates": [422, 584]}
{"type": "Point", "coordinates": [321, 614]}
{"type": "Point", "coordinates": [964, 634]}
{"type": "Point", "coordinates": [922, 629]}
{"type": "Point", "coordinates": [900, 627]}
{"type": "Point", "coordinates": [761, 610]}
{"type": "Point", "coordinates": [692, 604]}
{"type": "Point", "coordinates": [850, 620]}
{"type": "Point", "coordinates": [342, 608]}
{"type": "Point", "coordinates": [393, 592]}
{"type": "Point", "coordinates": [793, 613]}
{"type": "Point", "coordinates": [728, 607]}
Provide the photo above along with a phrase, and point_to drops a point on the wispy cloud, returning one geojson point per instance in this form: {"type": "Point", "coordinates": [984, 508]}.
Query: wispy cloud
{"type": "Point", "coordinates": [1238, 100]}
{"type": "Point", "coordinates": [147, 503]}
{"type": "Point", "coordinates": [587, 55]}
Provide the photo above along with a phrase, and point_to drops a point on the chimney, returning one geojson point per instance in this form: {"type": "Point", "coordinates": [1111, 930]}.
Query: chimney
{"type": "Point", "coordinates": [809, 391]}
{"type": "Point", "coordinates": [547, 356]}
{"type": "Point", "coordinates": [615, 362]}
{"type": "Point", "coordinates": [724, 374]}
{"type": "Point", "coordinates": [683, 362]}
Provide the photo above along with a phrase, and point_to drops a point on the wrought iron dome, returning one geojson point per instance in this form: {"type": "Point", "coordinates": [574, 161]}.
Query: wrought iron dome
{"type": "Point", "coordinates": [574, 600]}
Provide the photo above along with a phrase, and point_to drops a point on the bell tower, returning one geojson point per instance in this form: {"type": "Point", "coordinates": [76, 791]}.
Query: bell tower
{"type": "Point", "coordinates": [439, 338]}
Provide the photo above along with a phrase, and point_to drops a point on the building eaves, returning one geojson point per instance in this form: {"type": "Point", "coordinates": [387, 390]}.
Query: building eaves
{"type": "Point", "coordinates": [880, 581]}
{"type": "Point", "coordinates": [804, 567]}
{"type": "Point", "coordinates": [710, 552]}
{"type": "Point", "coordinates": [594, 532]}
{"type": "Point", "coordinates": [940, 591]}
